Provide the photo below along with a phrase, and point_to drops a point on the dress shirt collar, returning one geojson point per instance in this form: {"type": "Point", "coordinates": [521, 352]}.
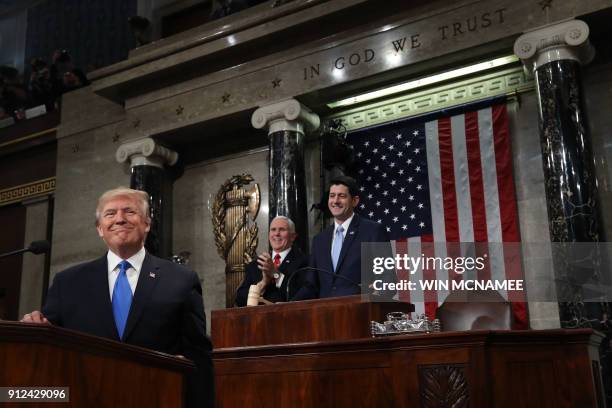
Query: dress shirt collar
{"type": "Point", "coordinates": [345, 225]}
{"type": "Point", "coordinates": [135, 260]}
{"type": "Point", "coordinates": [283, 254]}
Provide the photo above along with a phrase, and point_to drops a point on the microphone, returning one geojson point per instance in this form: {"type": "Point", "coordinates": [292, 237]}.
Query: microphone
{"type": "Point", "coordinates": [36, 247]}
{"type": "Point", "coordinates": [325, 271]}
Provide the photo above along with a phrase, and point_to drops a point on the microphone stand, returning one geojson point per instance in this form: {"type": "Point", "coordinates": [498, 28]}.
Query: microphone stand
{"type": "Point", "coordinates": [310, 268]}
{"type": "Point", "coordinates": [36, 247]}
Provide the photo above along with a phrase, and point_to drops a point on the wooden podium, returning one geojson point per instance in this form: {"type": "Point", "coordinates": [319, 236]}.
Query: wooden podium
{"type": "Point", "coordinates": [342, 318]}
{"type": "Point", "coordinates": [310, 368]}
{"type": "Point", "coordinates": [98, 372]}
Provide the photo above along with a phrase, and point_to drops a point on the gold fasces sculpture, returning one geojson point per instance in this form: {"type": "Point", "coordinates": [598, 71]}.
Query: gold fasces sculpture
{"type": "Point", "coordinates": [233, 213]}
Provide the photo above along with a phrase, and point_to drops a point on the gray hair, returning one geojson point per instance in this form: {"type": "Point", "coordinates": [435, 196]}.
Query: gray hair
{"type": "Point", "coordinates": [289, 222]}
{"type": "Point", "coordinates": [140, 196]}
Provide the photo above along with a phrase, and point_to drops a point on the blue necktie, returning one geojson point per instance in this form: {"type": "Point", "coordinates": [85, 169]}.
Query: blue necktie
{"type": "Point", "coordinates": [337, 246]}
{"type": "Point", "coordinates": [122, 298]}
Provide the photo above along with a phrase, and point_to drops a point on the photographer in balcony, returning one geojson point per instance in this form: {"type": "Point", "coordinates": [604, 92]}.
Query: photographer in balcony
{"type": "Point", "coordinates": [13, 95]}
{"type": "Point", "coordinates": [64, 75]}
{"type": "Point", "coordinates": [41, 86]}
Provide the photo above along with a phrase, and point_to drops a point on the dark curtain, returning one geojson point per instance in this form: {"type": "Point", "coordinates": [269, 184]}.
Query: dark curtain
{"type": "Point", "coordinates": [95, 32]}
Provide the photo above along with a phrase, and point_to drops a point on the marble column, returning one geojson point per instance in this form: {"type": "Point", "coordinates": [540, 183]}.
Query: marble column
{"type": "Point", "coordinates": [287, 123]}
{"type": "Point", "coordinates": [555, 54]}
{"type": "Point", "coordinates": [147, 160]}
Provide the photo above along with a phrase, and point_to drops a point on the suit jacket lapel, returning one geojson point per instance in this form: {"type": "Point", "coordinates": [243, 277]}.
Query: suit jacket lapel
{"type": "Point", "coordinates": [287, 269]}
{"type": "Point", "coordinates": [149, 275]}
{"type": "Point", "coordinates": [102, 307]}
{"type": "Point", "coordinates": [348, 240]}
{"type": "Point", "coordinates": [327, 244]}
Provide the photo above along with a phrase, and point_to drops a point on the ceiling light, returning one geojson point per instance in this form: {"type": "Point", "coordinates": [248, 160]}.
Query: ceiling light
{"type": "Point", "coordinates": [417, 83]}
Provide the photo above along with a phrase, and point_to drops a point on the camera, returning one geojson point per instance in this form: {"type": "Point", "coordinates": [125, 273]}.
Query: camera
{"type": "Point", "coordinates": [64, 56]}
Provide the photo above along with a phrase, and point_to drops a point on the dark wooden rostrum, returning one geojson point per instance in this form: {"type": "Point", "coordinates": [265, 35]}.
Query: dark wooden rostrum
{"type": "Point", "coordinates": [99, 372]}
{"type": "Point", "coordinates": [484, 368]}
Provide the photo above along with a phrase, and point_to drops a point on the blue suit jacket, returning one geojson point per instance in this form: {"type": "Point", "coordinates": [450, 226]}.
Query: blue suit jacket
{"type": "Point", "coordinates": [167, 314]}
{"type": "Point", "coordinates": [322, 284]}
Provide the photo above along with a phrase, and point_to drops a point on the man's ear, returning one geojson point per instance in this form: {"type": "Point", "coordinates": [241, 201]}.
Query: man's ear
{"type": "Point", "coordinates": [355, 201]}
{"type": "Point", "coordinates": [99, 229]}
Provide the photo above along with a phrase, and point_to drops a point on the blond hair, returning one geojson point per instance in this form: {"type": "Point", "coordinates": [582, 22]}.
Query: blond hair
{"type": "Point", "coordinates": [141, 197]}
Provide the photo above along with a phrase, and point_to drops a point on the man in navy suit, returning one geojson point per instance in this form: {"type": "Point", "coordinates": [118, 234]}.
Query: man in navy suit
{"type": "Point", "coordinates": [271, 273]}
{"type": "Point", "coordinates": [336, 251]}
{"type": "Point", "coordinates": [131, 296]}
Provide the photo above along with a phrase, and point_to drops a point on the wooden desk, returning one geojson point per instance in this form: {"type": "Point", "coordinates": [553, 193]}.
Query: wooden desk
{"type": "Point", "coordinates": [341, 318]}
{"type": "Point", "coordinates": [98, 372]}
{"type": "Point", "coordinates": [320, 354]}
{"type": "Point", "coordinates": [531, 369]}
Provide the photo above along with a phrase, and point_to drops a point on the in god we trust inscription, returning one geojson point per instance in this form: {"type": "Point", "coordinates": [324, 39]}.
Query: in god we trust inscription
{"type": "Point", "coordinates": [406, 40]}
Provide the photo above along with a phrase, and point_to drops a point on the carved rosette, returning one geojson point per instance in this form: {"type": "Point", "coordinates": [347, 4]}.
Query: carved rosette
{"type": "Point", "coordinates": [234, 211]}
{"type": "Point", "coordinates": [443, 385]}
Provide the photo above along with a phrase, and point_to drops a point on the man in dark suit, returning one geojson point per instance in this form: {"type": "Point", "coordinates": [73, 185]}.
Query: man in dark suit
{"type": "Point", "coordinates": [131, 296]}
{"type": "Point", "coordinates": [271, 273]}
{"type": "Point", "coordinates": [336, 251]}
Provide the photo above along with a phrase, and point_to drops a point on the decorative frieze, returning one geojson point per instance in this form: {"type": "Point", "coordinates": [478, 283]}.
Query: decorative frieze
{"type": "Point", "coordinates": [27, 191]}
{"type": "Point", "coordinates": [506, 82]}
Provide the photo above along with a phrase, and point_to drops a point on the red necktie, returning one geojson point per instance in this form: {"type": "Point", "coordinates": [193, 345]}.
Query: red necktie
{"type": "Point", "coordinates": [277, 260]}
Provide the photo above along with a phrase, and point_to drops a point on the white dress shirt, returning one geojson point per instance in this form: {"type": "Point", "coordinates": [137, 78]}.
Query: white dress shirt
{"type": "Point", "coordinates": [132, 272]}
{"type": "Point", "coordinates": [283, 255]}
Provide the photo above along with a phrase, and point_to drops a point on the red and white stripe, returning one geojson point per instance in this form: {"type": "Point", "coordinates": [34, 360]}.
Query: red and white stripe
{"type": "Point", "coordinates": [472, 199]}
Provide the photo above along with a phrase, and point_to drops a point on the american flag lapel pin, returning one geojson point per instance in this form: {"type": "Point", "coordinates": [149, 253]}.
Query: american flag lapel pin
{"type": "Point", "coordinates": [352, 233]}
{"type": "Point", "coordinates": [151, 275]}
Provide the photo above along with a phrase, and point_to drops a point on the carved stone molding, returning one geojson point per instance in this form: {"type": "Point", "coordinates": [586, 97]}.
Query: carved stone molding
{"type": "Point", "coordinates": [146, 152]}
{"type": "Point", "coordinates": [285, 115]}
{"type": "Point", "coordinates": [443, 385]}
{"type": "Point", "coordinates": [28, 191]}
{"type": "Point", "coordinates": [505, 82]}
{"type": "Point", "coordinates": [566, 40]}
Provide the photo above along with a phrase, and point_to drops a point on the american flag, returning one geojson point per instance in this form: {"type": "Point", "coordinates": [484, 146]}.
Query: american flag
{"type": "Point", "coordinates": [442, 179]}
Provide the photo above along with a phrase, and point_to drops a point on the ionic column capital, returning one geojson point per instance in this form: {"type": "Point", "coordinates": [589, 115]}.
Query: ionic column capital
{"type": "Point", "coordinates": [560, 41]}
{"type": "Point", "coordinates": [146, 152]}
{"type": "Point", "coordinates": [285, 115]}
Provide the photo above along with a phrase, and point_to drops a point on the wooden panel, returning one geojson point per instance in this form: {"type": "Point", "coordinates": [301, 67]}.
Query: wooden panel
{"type": "Point", "coordinates": [28, 133]}
{"type": "Point", "coordinates": [479, 369]}
{"type": "Point", "coordinates": [90, 377]}
{"type": "Point", "coordinates": [527, 378]}
{"type": "Point", "coordinates": [12, 220]}
{"type": "Point", "coordinates": [313, 320]}
{"type": "Point", "coordinates": [29, 165]}
{"type": "Point", "coordinates": [99, 372]}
